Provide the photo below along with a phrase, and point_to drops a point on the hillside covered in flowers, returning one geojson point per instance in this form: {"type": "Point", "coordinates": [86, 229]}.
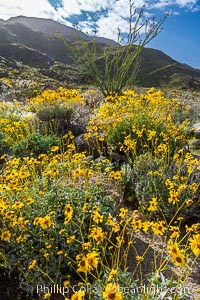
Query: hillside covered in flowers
{"type": "Point", "coordinates": [99, 195]}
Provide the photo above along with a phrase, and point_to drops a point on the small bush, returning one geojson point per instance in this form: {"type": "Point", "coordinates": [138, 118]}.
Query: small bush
{"type": "Point", "coordinates": [60, 111]}
{"type": "Point", "coordinates": [162, 191]}
{"type": "Point", "coordinates": [35, 144]}
{"type": "Point", "coordinates": [139, 123]}
{"type": "Point", "coordinates": [4, 145]}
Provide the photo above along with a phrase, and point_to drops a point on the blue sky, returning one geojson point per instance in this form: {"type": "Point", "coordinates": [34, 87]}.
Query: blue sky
{"type": "Point", "coordinates": [179, 39]}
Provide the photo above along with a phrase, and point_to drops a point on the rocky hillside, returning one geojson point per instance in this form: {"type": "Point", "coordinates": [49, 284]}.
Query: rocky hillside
{"type": "Point", "coordinates": [34, 42]}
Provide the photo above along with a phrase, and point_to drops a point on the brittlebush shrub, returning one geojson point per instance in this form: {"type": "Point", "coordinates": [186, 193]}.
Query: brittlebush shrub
{"type": "Point", "coordinates": [14, 126]}
{"type": "Point", "coordinates": [61, 219]}
{"type": "Point", "coordinates": [5, 147]}
{"type": "Point", "coordinates": [59, 111]}
{"type": "Point", "coordinates": [59, 226]}
{"type": "Point", "coordinates": [138, 123]}
{"type": "Point", "coordinates": [163, 190]}
{"type": "Point", "coordinates": [35, 144]}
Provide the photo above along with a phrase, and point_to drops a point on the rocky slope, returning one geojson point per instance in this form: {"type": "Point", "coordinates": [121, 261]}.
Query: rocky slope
{"type": "Point", "coordinates": [35, 43]}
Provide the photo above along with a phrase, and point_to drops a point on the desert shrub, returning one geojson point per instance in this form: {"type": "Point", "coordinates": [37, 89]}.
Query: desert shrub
{"type": "Point", "coordinates": [63, 220]}
{"type": "Point", "coordinates": [59, 111]}
{"type": "Point", "coordinates": [163, 190]}
{"type": "Point", "coordinates": [14, 127]}
{"type": "Point", "coordinates": [113, 68]}
{"type": "Point", "coordinates": [4, 145]}
{"type": "Point", "coordinates": [146, 136]}
{"type": "Point", "coordinates": [59, 223]}
{"type": "Point", "coordinates": [139, 123]}
{"type": "Point", "coordinates": [70, 223]}
{"type": "Point", "coordinates": [35, 144]}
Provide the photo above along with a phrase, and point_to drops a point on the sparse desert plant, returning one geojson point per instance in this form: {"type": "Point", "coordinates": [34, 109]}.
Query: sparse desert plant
{"type": "Point", "coordinates": [157, 190]}
{"type": "Point", "coordinates": [34, 145]}
{"type": "Point", "coordinates": [138, 123]}
{"type": "Point", "coordinates": [5, 147]}
{"type": "Point", "coordinates": [14, 127]}
{"type": "Point", "coordinates": [60, 111]}
{"type": "Point", "coordinates": [116, 67]}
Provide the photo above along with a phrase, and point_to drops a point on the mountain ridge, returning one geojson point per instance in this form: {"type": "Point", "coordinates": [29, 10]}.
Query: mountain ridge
{"type": "Point", "coordinates": [35, 42]}
{"type": "Point", "coordinates": [52, 27]}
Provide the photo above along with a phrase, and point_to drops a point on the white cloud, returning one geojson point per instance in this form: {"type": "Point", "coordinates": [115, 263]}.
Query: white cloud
{"type": "Point", "coordinates": [162, 4]}
{"type": "Point", "coordinates": [35, 8]}
{"type": "Point", "coordinates": [69, 9]}
{"type": "Point", "coordinates": [108, 25]}
{"type": "Point", "coordinates": [183, 3]}
{"type": "Point", "coordinates": [76, 6]}
{"type": "Point", "coordinates": [110, 14]}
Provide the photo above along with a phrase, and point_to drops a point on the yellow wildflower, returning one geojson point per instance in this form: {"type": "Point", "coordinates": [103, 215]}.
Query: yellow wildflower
{"type": "Point", "coordinates": [45, 222]}
{"type": "Point", "coordinates": [70, 239]}
{"type": "Point", "coordinates": [78, 296]}
{"type": "Point", "coordinates": [159, 228]}
{"type": "Point", "coordinates": [195, 244]}
{"type": "Point", "coordinates": [47, 296]}
{"type": "Point", "coordinates": [123, 212]}
{"type": "Point", "coordinates": [139, 258]}
{"type": "Point", "coordinates": [112, 291]}
{"type": "Point", "coordinates": [92, 260]}
{"type": "Point", "coordinates": [112, 274]}
{"type": "Point", "coordinates": [32, 264]}
{"type": "Point", "coordinates": [5, 236]}
{"type": "Point", "coordinates": [83, 266]}
{"type": "Point", "coordinates": [153, 204]}
{"type": "Point", "coordinates": [54, 148]}
{"type": "Point", "coordinates": [176, 254]}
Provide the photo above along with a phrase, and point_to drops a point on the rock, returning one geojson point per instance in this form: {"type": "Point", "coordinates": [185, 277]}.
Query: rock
{"type": "Point", "coordinates": [91, 146]}
{"type": "Point", "coordinates": [195, 144]}
{"type": "Point", "coordinates": [196, 129]}
{"type": "Point", "coordinates": [120, 158]}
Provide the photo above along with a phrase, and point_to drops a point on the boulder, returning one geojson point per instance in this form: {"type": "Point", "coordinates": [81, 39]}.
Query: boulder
{"type": "Point", "coordinates": [90, 145]}
{"type": "Point", "coordinates": [196, 129]}
{"type": "Point", "coordinates": [195, 144]}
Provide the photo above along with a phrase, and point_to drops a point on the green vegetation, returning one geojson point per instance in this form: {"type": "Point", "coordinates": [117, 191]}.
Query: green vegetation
{"type": "Point", "coordinates": [118, 219]}
{"type": "Point", "coordinates": [70, 219]}
{"type": "Point", "coordinates": [116, 67]}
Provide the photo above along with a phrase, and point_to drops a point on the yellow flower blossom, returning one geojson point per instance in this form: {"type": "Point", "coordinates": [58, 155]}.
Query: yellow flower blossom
{"type": "Point", "coordinates": [92, 259]}
{"type": "Point", "coordinates": [153, 204]}
{"type": "Point", "coordinates": [5, 236]}
{"type": "Point", "coordinates": [195, 244]}
{"type": "Point", "coordinates": [139, 258]}
{"type": "Point", "coordinates": [54, 148]}
{"type": "Point", "coordinates": [123, 212]}
{"type": "Point", "coordinates": [173, 196]}
{"type": "Point", "coordinates": [137, 224]}
{"type": "Point", "coordinates": [176, 254]}
{"type": "Point", "coordinates": [70, 239]}
{"type": "Point", "coordinates": [32, 264]}
{"type": "Point", "coordinates": [17, 205]}
{"type": "Point", "coordinates": [45, 222]}
{"type": "Point", "coordinates": [97, 218]}
{"type": "Point", "coordinates": [159, 228]}
{"type": "Point", "coordinates": [112, 291]}
{"type": "Point", "coordinates": [112, 274]}
{"type": "Point", "coordinates": [47, 296]}
{"type": "Point", "coordinates": [146, 225]}
{"type": "Point", "coordinates": [78, 296]}
{"type": "Point", "coordinates": [68, 213]}
{"type": "Point", "coordinates": [97, 234]}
